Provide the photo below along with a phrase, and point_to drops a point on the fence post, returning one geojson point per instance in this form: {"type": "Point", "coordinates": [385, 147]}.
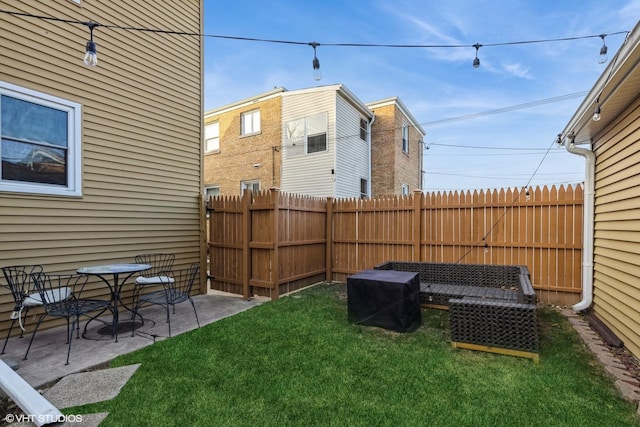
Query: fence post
{"type": "Point", "coordinates": [329, 240]}
{"type": "Point", "coordinates": [275, 238]}
{"type": "Point", "coordinates": [246, 240]}
{"type": "Point", "coordinates": [417, 224]}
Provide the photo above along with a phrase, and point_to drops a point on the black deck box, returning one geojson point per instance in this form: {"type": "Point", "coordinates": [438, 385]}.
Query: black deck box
{"type": "Point", "coordinates": [385, 298]}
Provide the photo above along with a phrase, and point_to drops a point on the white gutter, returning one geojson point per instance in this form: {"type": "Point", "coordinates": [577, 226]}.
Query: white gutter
{"type": "Point", "coordinates": [588, 226]}
{"type": "Point", "coordinates": [37, 409]}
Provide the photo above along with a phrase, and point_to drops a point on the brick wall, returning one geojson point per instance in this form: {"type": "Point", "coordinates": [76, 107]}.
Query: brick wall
{"type": "Point", "coordinates": [238, 154]}
{"type": "Point", "coordinates": [390, 166]}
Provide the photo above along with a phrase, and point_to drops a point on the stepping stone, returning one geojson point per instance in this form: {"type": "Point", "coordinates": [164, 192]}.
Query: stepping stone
{"type": "Point", "coordinates": [89, 387]}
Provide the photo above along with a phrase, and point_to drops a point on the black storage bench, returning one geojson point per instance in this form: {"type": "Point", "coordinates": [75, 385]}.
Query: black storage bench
{"type": "Point", "coordinates": [385, 298]}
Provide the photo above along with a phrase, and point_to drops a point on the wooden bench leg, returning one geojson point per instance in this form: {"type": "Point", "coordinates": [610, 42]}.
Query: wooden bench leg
{"type": "Point", "coordinates": [506, 351]}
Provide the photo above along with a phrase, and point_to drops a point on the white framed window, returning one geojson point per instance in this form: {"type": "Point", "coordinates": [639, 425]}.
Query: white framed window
{"type": "Point", "coordinates": [405, 189]}
{"type": "Point", "coordinates": [364, 188]}
{"type": "Point", "coordinates": [212, 138]}
{"type": "Point", "coordinates": [213, 190]}
{"type": "Point", "coordinates": [306, 135]}
{"type": "Point", "coordinates": [40, 143]}
{"type": "Point", "coordinates": [363, 129]}
{"type": "Point", "coordinates": [250, 122]}
{"type": "Point", "coordinates": [405, 138]}
{"type": "Point", "coordinates": [251, 185]}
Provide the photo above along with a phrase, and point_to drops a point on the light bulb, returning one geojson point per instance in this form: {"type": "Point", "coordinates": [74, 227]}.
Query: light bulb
{"type": "Point", "coordinates": [596, 114]}
{"type": "Point", "coordinates": [476, 60]}
{"type": "Point", "coordinates": [527, 196]}
{"type": "Point", "coordinates": [603, 51]}
{"type": "Point", "coordinates": [603, 55]}
{"type": "Point", "coordinates": [317, 74]}
{"type": "Point", "coordinates": [91, 55]}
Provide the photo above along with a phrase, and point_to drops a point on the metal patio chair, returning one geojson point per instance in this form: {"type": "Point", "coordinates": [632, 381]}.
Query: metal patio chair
{"type": "Point", "coordinates": [173, 292]}
{"type": "Point", "coordinates": [25, 296]}
{"type": "Point", "coordinates": [160, 272]}
{"type": "Point", "coordinates": [61, 296]}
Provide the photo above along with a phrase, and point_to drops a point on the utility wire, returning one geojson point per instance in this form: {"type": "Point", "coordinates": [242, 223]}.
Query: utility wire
{"type": "Point", "coordinates": [507, 109]}
{"type": "Point", "coordinates": [513, 202]}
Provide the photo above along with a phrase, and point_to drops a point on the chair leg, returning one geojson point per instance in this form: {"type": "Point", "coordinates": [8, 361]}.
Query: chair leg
{"type": "Point", "coordinates": [169, 320]}
{"type": "Point", "coordinates": [76, 321]}
{"type": "Point", "coordinates": [194, 311]}
{"type": "Point", "coordinates": [42, 316]}
{"type": "Point", "coordinates": [6, 340]}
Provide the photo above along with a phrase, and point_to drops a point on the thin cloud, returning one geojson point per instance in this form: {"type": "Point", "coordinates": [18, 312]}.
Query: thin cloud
{"type": "Point", "coordinates": [518, 70]}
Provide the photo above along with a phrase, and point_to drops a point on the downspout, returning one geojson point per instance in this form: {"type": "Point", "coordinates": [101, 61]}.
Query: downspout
{"type": "Point", "coordinates": [373, 119]}
{"type": "Point", "coordinates": [588, 225]}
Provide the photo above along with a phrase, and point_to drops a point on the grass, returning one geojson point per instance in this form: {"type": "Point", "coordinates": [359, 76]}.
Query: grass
{"type": "Point", "coordinates": [298, 362]}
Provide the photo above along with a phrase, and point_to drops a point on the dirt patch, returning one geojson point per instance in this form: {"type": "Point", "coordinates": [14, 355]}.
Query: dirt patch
{"type": "Point", "coordinates": [627, 359]}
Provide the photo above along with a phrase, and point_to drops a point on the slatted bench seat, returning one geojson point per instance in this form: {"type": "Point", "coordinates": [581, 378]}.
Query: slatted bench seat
{"type": "Point", "coordinates": [439, 294]}
{"type": "Point", "coordinates": [491, 307]}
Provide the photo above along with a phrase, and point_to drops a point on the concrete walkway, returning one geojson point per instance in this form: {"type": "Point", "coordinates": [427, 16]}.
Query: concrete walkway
{"type": "Point", "coordinates": [46, 362]}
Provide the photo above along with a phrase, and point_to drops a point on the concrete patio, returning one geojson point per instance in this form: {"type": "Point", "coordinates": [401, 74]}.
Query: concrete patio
{"type": "Point", "coordinates": [46, 360]}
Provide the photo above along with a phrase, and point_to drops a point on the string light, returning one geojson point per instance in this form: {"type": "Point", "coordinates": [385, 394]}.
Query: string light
{"type": "Point", "coordinates": [316, 63]}
{"type": "Point", "coordinates": [91, 52]}
{"type": "Point", "coordinates": [596, 114]}
{"type": "Point", "coordinates": [603, 51]}
{"type": "Point", "coordinates": [476, 61]}
{"type": "Point", "coordinates": [317, 74]}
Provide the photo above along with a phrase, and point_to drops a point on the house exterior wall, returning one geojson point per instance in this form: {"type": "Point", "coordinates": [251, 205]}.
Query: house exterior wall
{"type": "Point", "coordinates": [617, 227]}
{"type": "Point", "coordinates": [141, 135]}
{"type": "Point", "coordinates": [309, 174]}
{"type": "Point", "coordinates": [238, 155]}
{"type": "Point", "coordinates": [391, 167]}
{"type": "Point", "coordinates": [352, 153]}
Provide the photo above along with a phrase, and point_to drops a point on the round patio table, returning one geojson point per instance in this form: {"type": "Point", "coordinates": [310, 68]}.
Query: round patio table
{"type": "Point", "coordinates": [115, 286]}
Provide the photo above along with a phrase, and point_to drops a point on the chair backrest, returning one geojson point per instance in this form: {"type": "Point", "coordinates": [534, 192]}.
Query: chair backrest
{"type": "Point", "coordinates": [19, 280]}
{"type": "Point", "coordinates": [59, 291]}
{"type": "Point", "coordinates": [161, 264]}
{"type": "Point", "coordinates": [183, 281]}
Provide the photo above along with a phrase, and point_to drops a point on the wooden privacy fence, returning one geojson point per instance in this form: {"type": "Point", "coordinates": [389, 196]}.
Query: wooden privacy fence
{"type": "Point", "coordinates": [270, 243]}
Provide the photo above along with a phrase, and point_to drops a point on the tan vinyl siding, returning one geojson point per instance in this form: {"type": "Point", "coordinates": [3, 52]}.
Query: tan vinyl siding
{"type": "Point", "coordinates": [617, 227]}
{"type": "Point", "coordinates": [141, 133]}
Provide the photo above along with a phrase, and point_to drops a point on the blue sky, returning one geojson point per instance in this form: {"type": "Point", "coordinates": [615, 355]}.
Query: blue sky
{"type": "Point", "coordinates": [434, 83]}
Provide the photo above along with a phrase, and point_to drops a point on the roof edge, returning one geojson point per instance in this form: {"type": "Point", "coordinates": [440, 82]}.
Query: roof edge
{"type": "Point", "coordinates": [403, 108]}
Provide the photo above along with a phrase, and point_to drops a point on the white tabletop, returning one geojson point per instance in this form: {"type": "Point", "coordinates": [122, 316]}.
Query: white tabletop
{"type": "Point", "coordinates": [113, 268]}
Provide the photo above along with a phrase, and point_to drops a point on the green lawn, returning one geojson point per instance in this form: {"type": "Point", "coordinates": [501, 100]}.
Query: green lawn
{"type": "Point", "coordinates": [298, 362]}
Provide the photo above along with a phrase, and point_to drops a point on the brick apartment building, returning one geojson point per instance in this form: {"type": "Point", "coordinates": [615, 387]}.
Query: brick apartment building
{"type": "Point", "coordinates": [320, 141]}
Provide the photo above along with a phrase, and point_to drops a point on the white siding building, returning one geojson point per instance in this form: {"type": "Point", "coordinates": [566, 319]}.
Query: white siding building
{"type": "Point", "coordinates": [325, 143]}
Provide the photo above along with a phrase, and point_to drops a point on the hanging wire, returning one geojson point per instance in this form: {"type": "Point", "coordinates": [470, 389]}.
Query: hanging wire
{"type": "Point", "coordinates": [293, 42]}
{"type": "Point", "coordinates": [483, 242]}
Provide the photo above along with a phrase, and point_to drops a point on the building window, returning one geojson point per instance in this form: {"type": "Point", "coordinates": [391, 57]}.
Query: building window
{"type": "Point", "coordinates": [363, 129]}
{"type": "Point", "coordinates": [307, 135]}
{"type": "Point", "coordinates": [250, 122]}
{"type": "Point", "coordinates": [364, 190]}
{"type": "Point", "coordinates": [212, 138]}
{"type": "Point", "coordinates": [251, 185]}
{"type": "Point", "coordinates": [405, 138]}
{"type": "Point", "coordinates": [405, 189]}
{"type": "Point", "coordinates": [213, 190]}
{"type": "Point", "coordinates": [40, 143]}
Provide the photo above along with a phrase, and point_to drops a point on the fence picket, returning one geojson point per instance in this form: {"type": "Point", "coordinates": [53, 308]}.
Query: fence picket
{"type": "Point", "coordinates": [286, 236]}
